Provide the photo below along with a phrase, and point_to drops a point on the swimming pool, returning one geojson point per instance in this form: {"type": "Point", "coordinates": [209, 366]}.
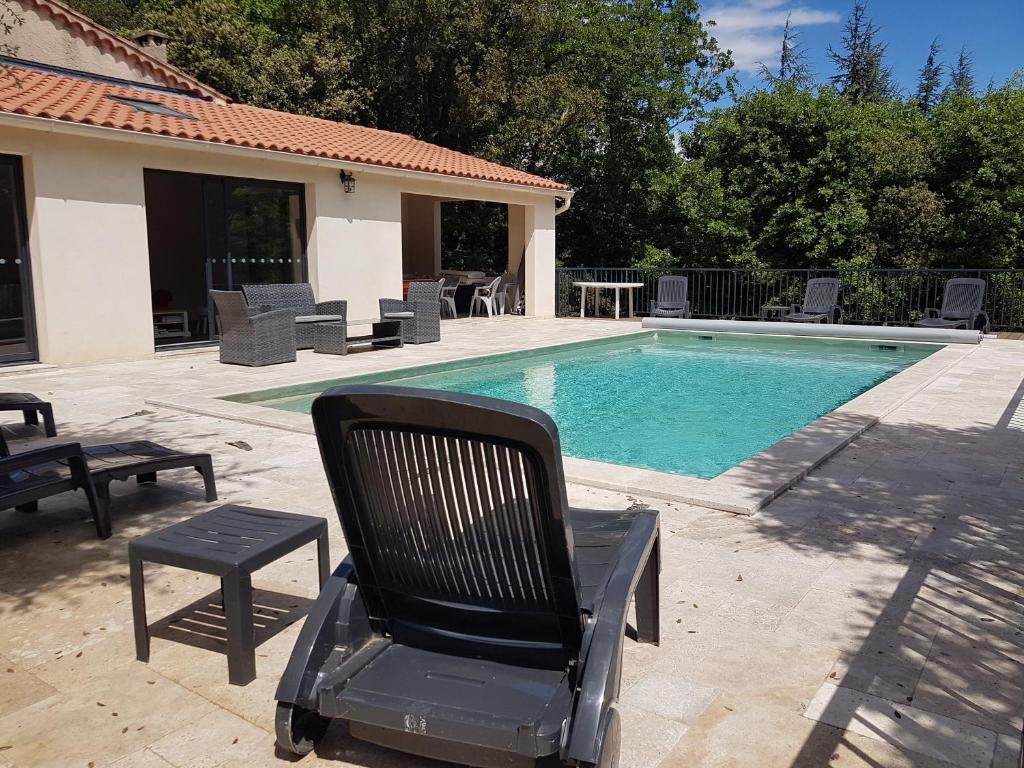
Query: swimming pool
{"type": "Point", "coordinates": [682, 403]}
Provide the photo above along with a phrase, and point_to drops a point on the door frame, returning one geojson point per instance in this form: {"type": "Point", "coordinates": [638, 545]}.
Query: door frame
{"type": "Point", "coordinates": [28, 305]}
{"type": "Point", "coordinates": [225, 183]}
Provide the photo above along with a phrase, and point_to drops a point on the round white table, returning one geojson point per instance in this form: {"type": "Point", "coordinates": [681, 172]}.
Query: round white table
{"type": "Point", "coordinates": [597, 286]}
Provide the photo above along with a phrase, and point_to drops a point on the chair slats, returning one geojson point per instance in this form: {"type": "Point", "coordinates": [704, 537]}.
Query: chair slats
{"type": "Point", "coordinates": [450, 518]}
{"type": "Point", "coordinates": [822, 295]}
{"type": "Point", "coordinates": [962, 298]}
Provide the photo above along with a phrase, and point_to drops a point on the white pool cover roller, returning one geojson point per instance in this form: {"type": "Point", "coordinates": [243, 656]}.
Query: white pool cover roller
{"type": "Point", "coordinates": [886, 332]}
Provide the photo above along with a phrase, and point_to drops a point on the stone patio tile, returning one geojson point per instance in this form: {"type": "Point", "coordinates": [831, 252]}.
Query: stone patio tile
{"type": "Point", "coordinates": [768, 730]}
{"type": "Point", "coordinates": [113, 716]}
{"type": "Point", "coordinates": [752, 613]}
{"type": "Point", "coordinates": [255, 702]}
{"type": "Point", "coordinates": [19, 688]}
{"type": "Point", "coordinates": [740, 660]}
{"type": "Point", "coordinates": [1008, 751]}
{"type": "Point", "coordinates": [144, 758]}
{"type": "Point", "coordinates": [647, 739]}
{"type": "Point", "coordinates": [218, 737]}
{"type": "Point", "coordinates": [973, 681]}
{"type": "Point", "coordinates": [686, 605]}
{"type": "Point", "coordinates": [903, 726]}
{"type": "Point", "coordinates": [887, 664]}
{"type": "Point", "coordinates": [669, 696]}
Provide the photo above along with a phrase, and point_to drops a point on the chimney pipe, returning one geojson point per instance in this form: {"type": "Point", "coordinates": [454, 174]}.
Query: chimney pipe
{"type": "Point", "coordinates": [154, 43]}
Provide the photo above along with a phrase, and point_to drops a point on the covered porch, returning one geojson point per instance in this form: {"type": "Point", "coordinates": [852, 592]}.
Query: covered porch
{"type": "Point", "coordinates": [514, 240]}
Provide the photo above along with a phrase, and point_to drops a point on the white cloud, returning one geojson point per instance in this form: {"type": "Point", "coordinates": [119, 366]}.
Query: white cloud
{"type": "Point", "coordinates": [752, 29]}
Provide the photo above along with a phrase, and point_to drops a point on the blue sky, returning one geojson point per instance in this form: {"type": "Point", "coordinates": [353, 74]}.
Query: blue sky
{"type": "Point", "coordinates": [992, 30]}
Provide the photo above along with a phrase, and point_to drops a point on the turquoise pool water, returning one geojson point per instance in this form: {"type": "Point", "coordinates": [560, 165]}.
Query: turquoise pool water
{"type": "Point", "coordinates": [688, 404]}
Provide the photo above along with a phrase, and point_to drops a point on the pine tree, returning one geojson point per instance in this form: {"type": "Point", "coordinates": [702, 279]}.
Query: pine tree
{"type": "Point", "coordinates": [793, 70]}
{"type": "Point", "coordinates": [961, 79]}
{"type": "Point", "coordinates": [930, 80]}
{"type": "Point", "coordinates": [862, 74]}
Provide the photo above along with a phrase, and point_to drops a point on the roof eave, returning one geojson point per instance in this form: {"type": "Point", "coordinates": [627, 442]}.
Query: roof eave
{"type": "Point", "coordinates": [53, 125]}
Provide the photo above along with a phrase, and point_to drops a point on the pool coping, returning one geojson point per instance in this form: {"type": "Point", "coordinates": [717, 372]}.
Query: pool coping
{"type": "Point", "coordinates": [743, 489]}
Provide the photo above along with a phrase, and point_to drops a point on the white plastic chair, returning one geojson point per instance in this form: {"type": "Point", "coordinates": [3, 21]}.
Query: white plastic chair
{"type": "Point", "coordinates": [449, 285]}
{"type": "Point", "coordinates": [485, 295]}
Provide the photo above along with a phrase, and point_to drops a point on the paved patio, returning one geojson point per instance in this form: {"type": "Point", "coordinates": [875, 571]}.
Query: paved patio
{"type": "Point", "coordinates": [872, 616]}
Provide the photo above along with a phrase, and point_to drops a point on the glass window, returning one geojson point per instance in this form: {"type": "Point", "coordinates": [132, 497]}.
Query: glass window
{"type": "Point", "coordinates": [17, 332]}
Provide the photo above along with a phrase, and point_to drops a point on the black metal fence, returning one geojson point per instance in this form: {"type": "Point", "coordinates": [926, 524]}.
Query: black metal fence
{"type": "Point", "coordinates": [868, 296]}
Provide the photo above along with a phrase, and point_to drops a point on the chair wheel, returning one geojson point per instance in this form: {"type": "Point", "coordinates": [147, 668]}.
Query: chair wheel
{"type": "Point", "coordinates": [298, 729]}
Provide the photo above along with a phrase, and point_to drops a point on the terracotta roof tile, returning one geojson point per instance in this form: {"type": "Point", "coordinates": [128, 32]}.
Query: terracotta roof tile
{"type": "Point", "coordinates": [58, 97]}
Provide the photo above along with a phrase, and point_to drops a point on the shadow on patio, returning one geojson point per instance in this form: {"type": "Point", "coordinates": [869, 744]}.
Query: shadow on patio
{"type": "Point", "coordinates": [925, 599]}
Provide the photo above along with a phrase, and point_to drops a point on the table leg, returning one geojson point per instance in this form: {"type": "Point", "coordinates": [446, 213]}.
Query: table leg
{"type": "Point", "coordinates": [241, 639]}
{"type": "Point", "coordinates": [617, 303]}
{"type": "Point", "coordinates": [583, 301]}
{"type": "Point", "coordinates": [323, 557]}
{"type": "Point", "coordinates": [630, 290]}
{"type": "Point", "coordinates": [138, 585]}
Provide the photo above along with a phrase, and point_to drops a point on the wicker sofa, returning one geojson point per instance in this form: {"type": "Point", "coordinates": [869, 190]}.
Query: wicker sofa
{"type": "Point", "coordinates": [298, 299]}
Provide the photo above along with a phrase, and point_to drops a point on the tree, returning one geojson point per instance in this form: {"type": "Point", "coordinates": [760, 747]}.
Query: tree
{"type": "Point", "coordinates": [10, 17]}
{"type": "Point", "coordinates": [794, 174]}
{"type": "Point", "coordinates": [793, 71]}
{"type": "Point", "coordinates": [279, 55]}
{"type": "Point", "coordinates": [861, 72]}
{"type": "Point", "coordinates": [930, 80]}
{"type": "Point", "coordinates": [961, 79]}
{"type": "Point", "coordinates": [979, 174]}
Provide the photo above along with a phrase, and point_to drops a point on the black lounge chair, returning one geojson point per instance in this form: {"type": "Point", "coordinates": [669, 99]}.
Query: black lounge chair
{"type": "Point", "coordinates": [27, 477]}
{"type": "Point", "coordinates": [478, 619]}
{"type": "Point", "coordinates": [31, 407]}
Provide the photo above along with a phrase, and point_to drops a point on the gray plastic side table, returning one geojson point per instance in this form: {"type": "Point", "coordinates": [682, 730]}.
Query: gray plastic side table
{"type": "Point", "coordinates": [230, 542]}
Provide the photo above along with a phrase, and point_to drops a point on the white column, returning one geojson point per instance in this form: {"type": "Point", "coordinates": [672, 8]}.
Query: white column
{"type": "Point", "coordinates": [539, 249]}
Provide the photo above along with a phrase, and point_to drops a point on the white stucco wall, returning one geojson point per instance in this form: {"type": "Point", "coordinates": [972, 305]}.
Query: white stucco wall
{"type": "Point", "coordinates": [89, 251]}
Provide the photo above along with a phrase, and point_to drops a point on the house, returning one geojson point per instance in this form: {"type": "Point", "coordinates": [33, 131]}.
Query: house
{"type": "Point", "coordinates": [128, 190]}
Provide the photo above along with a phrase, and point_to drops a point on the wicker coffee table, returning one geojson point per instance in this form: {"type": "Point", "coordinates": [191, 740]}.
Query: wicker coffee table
{"type": "Point", "coordinates": [333, 338]}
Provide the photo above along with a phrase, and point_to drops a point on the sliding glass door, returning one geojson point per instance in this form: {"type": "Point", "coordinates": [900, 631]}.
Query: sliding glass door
{"type": "Point", "coordinates": [17, 326]}
{"type": "Point", "coordinates": [216, 233]}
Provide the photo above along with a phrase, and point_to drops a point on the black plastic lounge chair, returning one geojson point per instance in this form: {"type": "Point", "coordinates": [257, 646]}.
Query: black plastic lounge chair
{"type": "Point", "coordinates": [478, 619]}
{"type": "Point", "coordinates": [56, 470]}
{"type": "Point", "coordinates": [673, 297]}
{"type": "Point", "coordinates": [31, 407]}
{"type": "Point", "coordinates": [28, 477]}
{"type": "Point", "coordinates": [962, 302]}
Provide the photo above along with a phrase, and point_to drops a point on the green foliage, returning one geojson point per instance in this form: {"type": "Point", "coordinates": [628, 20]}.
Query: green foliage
{"type": "Point", "coordinates": [793, 71]}
{"type": "Point", "coordinates": [862, 75]}
{"type": "Point", "coordinates": [930, 80]}
{"type": "Point", "coordinates": [286, 56]}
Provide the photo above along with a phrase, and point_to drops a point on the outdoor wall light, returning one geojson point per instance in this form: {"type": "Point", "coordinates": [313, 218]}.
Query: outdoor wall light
{"type": "Point", "coordinates": [348, 181]}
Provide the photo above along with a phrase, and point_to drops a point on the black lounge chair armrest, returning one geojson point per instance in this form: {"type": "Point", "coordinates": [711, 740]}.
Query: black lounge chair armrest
{"type": "Point", "coordinates": [986, 322]}
{"type": "Point", "coordinates": [602, 640]}
{"type": "Point", "coordinates": [63, 452]}
{"type": "Point", "coordinates": [931, 312]}
{"type": "Point", "coordinates": [795, 308]}
{"type": "Point", "coordinates": [337, 619]}
{"type": "Point", "coordinates": [333, 307]}
{"type": "Point", "coordinates": [393, 305]}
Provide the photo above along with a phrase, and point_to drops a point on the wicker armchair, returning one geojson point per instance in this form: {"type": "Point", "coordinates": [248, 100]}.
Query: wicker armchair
{"type": "Point", "coordinates": [261, 338]}
{"type": "Point", "coordinates": [424, 302]}
{"type": "Point", "coordinates": [299, 300]}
